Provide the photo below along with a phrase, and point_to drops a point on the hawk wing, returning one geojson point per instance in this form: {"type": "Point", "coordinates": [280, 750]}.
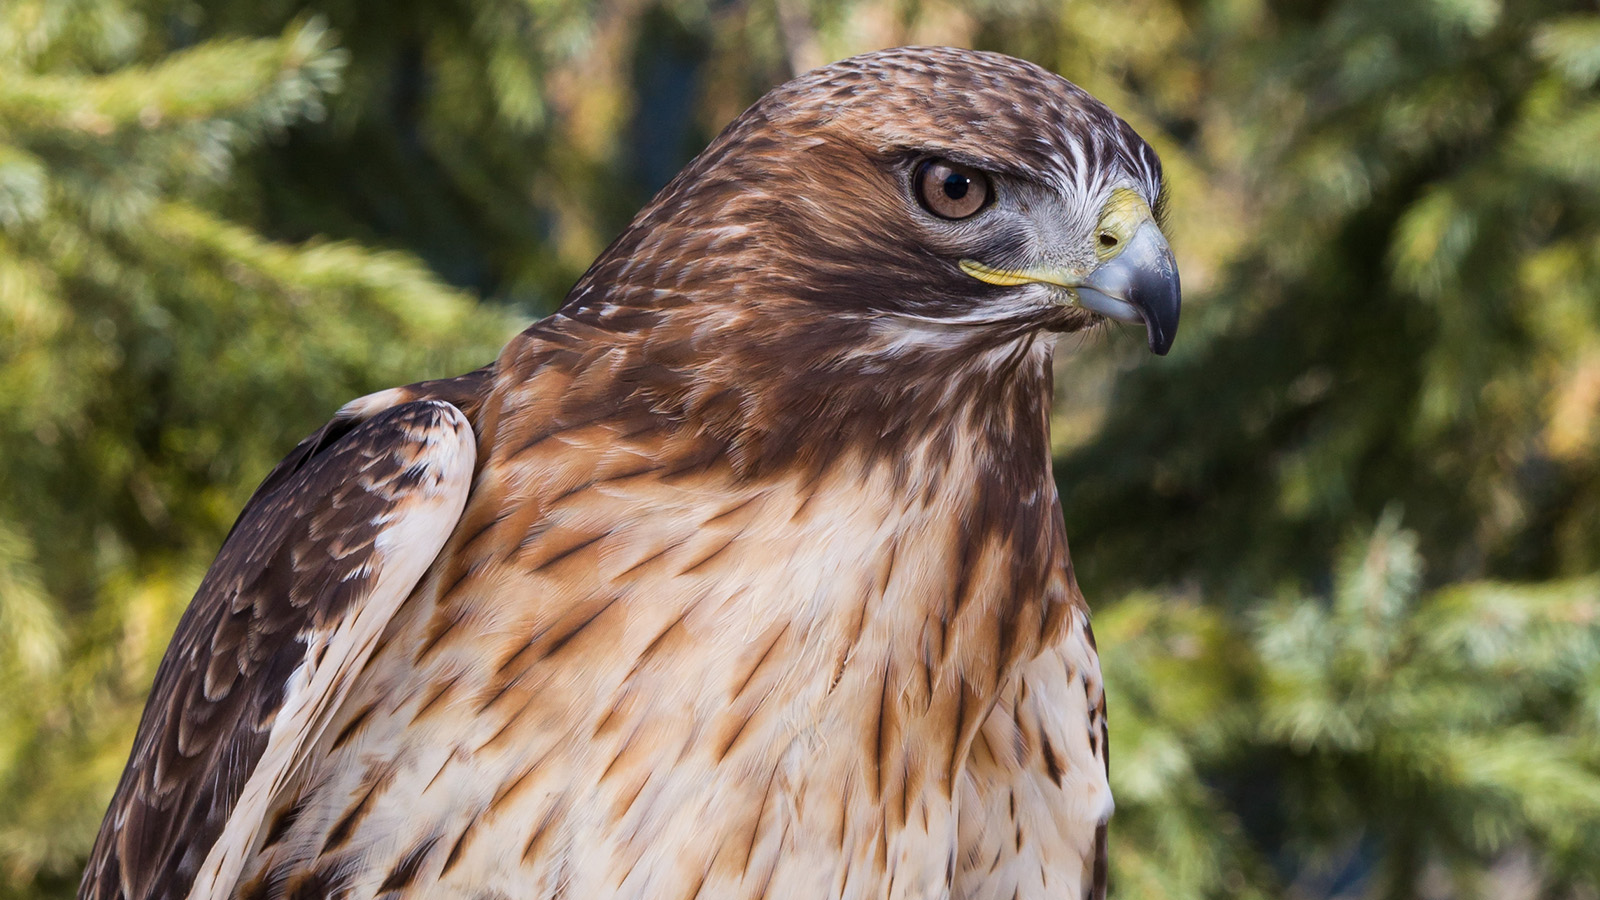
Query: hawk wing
{"type": "Point", "coordinates": [1035, 800]}
{"type": "Point", "coordinates": [333, 541]}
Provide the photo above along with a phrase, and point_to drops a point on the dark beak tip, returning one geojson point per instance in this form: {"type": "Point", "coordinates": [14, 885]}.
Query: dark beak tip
{"type": "Point", "coordinates": [1160, 330]}
{"type": "Point", "coordinates": [1159, 343]}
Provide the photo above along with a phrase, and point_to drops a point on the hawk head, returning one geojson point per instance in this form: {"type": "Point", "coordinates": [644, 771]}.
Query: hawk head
{"type": "Point", "coordinates": [936, 187]}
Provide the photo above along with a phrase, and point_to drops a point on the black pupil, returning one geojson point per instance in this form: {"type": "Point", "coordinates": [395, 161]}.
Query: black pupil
{"type": "Point", "coordinates": [955, 185]}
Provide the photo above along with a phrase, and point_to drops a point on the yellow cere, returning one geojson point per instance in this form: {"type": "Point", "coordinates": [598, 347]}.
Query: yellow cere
{"type": "Point", "coordinates": [1121, 217]}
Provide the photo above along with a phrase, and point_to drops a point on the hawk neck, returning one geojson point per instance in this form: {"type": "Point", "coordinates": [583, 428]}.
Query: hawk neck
{"type": "Point", "coordinates": [772, 389]}
{"type": "Point", "coordinates": [958, 419]}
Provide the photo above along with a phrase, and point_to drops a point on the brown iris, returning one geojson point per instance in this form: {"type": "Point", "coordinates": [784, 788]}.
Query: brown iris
{"type": "Point", "coordinates": [950, 190]}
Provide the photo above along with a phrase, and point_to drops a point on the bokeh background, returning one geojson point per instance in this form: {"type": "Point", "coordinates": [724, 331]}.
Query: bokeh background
{"type": "Point", "coordinates": [1342, 544]}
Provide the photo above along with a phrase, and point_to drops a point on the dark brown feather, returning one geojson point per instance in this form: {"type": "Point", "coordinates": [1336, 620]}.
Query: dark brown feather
{"type": "Point", "coordinates": [298, 557]}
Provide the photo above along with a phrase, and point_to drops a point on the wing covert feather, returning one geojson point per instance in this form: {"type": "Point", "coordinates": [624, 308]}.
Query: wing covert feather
{"type": "Point", "coordinates": [331, 544]}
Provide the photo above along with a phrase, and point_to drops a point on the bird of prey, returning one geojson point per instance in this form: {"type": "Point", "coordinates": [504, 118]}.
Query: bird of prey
{"type": "Point", "coordinates": [742, 575]}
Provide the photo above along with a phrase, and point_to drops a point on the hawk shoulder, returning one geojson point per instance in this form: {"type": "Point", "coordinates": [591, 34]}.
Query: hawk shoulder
{"type": "Point", "coordinates": [332, 542]}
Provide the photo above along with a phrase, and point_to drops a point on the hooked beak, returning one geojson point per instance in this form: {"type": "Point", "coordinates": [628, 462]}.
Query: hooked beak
{"type": "Point", "coordinates": [1139, 284]}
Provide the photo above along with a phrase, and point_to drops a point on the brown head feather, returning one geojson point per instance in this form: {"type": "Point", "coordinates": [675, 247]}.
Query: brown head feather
{"type": "Point", "coordinates": [788, 299]}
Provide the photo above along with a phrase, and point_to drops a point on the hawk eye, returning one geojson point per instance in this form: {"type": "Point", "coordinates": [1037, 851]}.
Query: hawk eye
{"type": "Point", "coordinates": [950, 190]}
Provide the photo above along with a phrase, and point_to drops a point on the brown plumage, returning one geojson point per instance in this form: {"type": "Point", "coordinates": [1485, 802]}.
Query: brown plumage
{"type": "Point", "coordinates": [743, 575]}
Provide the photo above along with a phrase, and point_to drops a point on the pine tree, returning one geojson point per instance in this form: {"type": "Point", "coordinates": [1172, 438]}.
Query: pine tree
{"type": "Point", "coordinates": [155, 359]}
{"type": "Point", "coordinates": [1406, 334]}
{"type": "Point", "coordinates": [1378, 741]}
{"type": "Point", "coordinates": [1411, 319]}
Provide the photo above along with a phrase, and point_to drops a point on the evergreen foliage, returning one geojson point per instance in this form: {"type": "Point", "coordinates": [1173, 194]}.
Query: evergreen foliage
{"type": "Point", "coordinates": [155, 359]}
{"type": "Point", "coordinates": [1343, 546]}
{"type": "Point", "coordinates": [1412, 318]}
{"type": "Point", "coordinates": [1380, 741]}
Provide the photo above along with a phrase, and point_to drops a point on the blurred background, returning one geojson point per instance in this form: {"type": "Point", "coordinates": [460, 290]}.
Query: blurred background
{"type": "Point", "coordinates": [1341, 545]}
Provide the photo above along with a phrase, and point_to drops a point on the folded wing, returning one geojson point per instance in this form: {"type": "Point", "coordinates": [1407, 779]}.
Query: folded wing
{"type": "Point", "coordinates": [327, 550]}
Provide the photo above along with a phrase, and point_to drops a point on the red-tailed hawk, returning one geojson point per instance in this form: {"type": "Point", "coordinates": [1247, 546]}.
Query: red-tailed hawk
{"type": "Point", "coordinates": [742, 575]}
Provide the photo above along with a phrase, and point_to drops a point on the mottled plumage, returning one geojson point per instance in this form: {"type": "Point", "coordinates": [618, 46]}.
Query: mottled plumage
{"type": "Point", "coordinates": [743, 575]}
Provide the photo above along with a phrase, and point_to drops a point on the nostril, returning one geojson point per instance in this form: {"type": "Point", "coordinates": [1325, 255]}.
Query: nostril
{"type": "Point", "coordinates": [1107, 240]}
